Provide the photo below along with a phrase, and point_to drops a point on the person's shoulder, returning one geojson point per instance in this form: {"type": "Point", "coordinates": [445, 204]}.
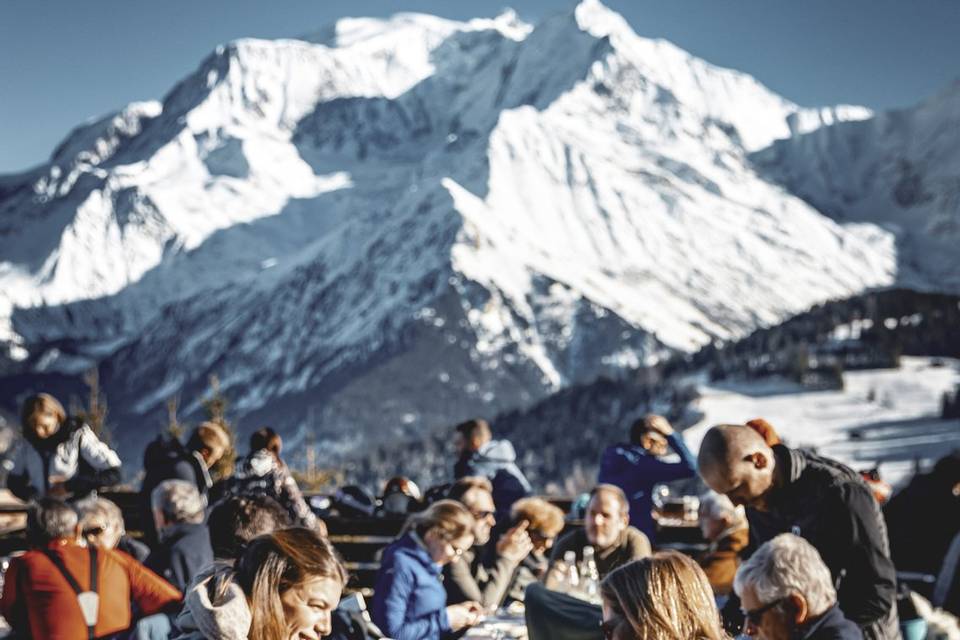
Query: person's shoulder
{"type": "Point", "coordinates": [571, 539]}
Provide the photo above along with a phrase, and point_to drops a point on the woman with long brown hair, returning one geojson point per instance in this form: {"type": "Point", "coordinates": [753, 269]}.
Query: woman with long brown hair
{"type": "Point", "coordinates": [409, 601]}
{"type": "Point", "coordinates": [663, 597]}
{"type": "Point", "coordinates": [283, 587]}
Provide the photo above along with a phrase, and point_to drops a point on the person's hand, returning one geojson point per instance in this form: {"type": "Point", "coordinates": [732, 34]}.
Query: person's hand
{"type": "Point", "coordinates": [465, 614]}
{"type": "Point", "coordinates": [58, 486]}
{"type": "Point", "coordinates": [766, 430]}
{"type": "Point", "coordinates": [658, 424]}
{"type": "Point", "coordinates": [515, 544]}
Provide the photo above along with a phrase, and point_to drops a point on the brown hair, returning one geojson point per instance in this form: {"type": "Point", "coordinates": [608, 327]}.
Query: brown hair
{"type": "Point", "coordinates": [475, 428]}
{"type": "Point", "coordinates": [541, 516]}
{"type": "Point", "coordinates": [275, 563]}
{"type": "Point", "coordinates": [36, 404]}
{"type": "Point", "coordinates": [266, 438]}
{"type": "Point", "coordinates": [465, 484]}
{"type": "Point", "coordinates": [664, 597]}
{"type": "Point", "coordinates": [451, 518]}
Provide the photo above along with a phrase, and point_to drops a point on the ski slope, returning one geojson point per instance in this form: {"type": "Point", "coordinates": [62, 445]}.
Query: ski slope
{"type": "Point", "coordinates": [896, 413]}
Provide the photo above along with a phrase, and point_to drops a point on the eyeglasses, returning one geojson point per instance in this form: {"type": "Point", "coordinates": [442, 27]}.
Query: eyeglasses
{"type": "Point", "coordinates": [755, 616]}
{"type": "Point", "coordinates": [609, 627]}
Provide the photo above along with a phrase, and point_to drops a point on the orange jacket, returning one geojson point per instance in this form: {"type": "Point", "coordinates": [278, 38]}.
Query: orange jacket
{"type": "Point", "coordinates": [37, 598]}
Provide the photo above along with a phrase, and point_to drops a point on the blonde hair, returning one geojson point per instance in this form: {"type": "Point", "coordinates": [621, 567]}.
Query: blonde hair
{"type": "Point", "coordinates": [36, 404]}
{"type": "Point", "coordinates": [273, 564]}
{"type": "Point", "coordinates": [664, 597]}
{"type": "Point", "coordinates": [450, 518]}
{"type": "Point", "coordinates": [540, 515]}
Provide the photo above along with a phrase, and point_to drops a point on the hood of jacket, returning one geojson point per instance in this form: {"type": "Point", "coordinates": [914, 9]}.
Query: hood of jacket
{"type": "Point", "coordinates": [213, 616]}
{"type": "Point", "coordinates": [497, 452]}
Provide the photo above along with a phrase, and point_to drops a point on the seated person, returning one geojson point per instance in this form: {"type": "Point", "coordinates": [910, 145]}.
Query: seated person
{"type": "Point", "coordinates": [663, 596]}
{"type": "Point", "coordinates": [41, 587]}
{"type": "Point", "coordinates": [409, 601]}
{"type": "Point", "coordinates": [543, 522]}
{"type": "Point", "coordinates": [60, 456]}
{"type": "Point", "coordinates": [636, 467]}
{"type": "Point", "coordinates": [478, 576]}
{"type": "Point", "coordinates": [184, 549]}
{"type": "Point", "coordinates": [607, 529]}
{"type": "Point", "coordinates": [102, 525]}
{"type": "Point", "coordinates": [236, 520]}
{"type": "Point", "coordinates": [786, 591]}
{"type": "Point", "coordinates": [264, 472]}
{"type": "Point", "coordinates": [725, 527]}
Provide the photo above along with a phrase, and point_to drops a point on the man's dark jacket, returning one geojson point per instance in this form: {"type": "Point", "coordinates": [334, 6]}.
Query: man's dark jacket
{"type": "Point", "coordinates": [830, 506]}
{"type": "Point", "coordinates": [832, 625]}
{"type": "Point", "coordinates": [184, 552]}
{"type": "Point", "coordinates": [167, 459]}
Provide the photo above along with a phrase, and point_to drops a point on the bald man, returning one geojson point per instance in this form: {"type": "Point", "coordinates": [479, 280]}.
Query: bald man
{"type": "Point", "coordinates": [789, 490]}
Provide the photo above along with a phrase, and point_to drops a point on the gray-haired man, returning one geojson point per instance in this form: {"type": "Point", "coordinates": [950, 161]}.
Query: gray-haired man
{"type": "Point", "coordinates": [184, 549]}
{"type": "Point", "coordinates": [786, 593]}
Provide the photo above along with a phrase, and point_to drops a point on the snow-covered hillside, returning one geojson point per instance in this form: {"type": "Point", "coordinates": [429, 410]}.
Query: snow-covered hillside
{"type": "Point", "coordinates": [899, 169]}
{"type": "Point", "coordinates": [399, 223]}
{"type": "Point", "coordinates": [885, 416]}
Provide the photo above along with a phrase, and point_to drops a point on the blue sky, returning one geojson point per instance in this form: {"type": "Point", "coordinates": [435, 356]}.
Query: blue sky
{"type": "Point", "coordinates": [64, 61]}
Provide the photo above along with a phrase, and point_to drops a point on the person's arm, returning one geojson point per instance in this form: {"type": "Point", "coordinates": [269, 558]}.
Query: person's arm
{"type": "Point", "coordinates": [103, 463]}
{"type": "Point", "coordinates": [391, 615]}
{"type": "Point", "coordinates": [18, 480]}
{"type": "Point", "coordinates": [151, 593]}
{"type": "Point", "coordinates": [292, 499]}
{"type": "Point", "coordinates": [460, 583]}
{"type": "Point", "coordinates": [870, 580]}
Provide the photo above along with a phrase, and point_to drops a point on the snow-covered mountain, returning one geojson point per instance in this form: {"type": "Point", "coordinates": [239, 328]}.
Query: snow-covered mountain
{"type": "Point", "coordinates": [900, 169]}
{"type": "Point", "coordinates": [395, 224]}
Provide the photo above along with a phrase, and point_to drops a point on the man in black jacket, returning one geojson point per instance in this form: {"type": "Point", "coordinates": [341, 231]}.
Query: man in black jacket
{"type": "Point", "coordinates": [825, 502]}
{"type": "Point", "coordinates": [167, 459]}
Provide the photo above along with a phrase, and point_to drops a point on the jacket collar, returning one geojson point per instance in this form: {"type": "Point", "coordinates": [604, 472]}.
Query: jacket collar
{"type": "Point", "coordinates": [792, 464]}
{"type": "Point", "coordinates": [413, 545]}
{"type": "Point", "coordinates": [832, 617]}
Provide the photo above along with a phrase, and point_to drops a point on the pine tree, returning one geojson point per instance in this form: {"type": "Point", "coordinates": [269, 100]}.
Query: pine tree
{"type": "Point", "coordinates": [94, 412]}
{"type": "Point", "coordinates": [174, 427]}
{"type": "Point", "coordinates": [216, 407]}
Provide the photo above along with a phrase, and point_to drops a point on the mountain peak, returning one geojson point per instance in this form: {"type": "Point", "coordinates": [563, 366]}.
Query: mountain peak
{"type": "Point", "coordinates": [598, 20]}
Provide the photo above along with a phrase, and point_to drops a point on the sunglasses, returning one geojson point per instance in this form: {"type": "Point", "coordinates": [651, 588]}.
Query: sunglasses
{"type": "Point", "coordinates": [609, 627]}
{"type": "Point", "coordinates": [482, 515]}
{"type": "Point", "coordinates": [94, 531]}
{"type": "Point", "coordinates": [755, 616]}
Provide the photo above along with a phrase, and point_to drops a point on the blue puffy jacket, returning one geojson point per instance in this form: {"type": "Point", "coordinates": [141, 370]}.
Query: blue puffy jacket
{"type": "Point", "coordinates": [409, 601]}
{"type": "Point", "coordinates": [636, 471]}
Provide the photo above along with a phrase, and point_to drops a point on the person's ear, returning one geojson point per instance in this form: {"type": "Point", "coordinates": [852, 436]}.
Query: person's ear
{"type": "Point", "coordinates": [758, 460]}
{"type": "Point", "coordinates": [799, 612]}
